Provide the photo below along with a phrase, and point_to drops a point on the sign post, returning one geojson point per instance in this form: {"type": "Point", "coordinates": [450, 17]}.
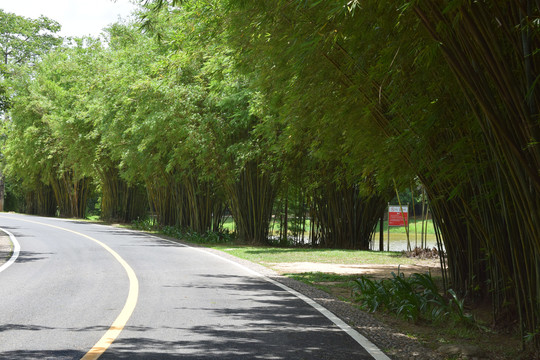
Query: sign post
{"type": "Point", "coordinates": [398, 215]}
{"type": "Point", "coordinates": [381, 234]}
{"type": "Point", "coordinates": [388, 229]}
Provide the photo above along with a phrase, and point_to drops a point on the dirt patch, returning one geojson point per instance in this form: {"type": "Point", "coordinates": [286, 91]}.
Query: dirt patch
{"type": "Point", "coordinates": [376, 271]}
{"type": "Point", "coordinates": [335, 289]}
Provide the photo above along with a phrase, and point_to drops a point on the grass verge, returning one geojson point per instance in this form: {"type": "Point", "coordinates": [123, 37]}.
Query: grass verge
{"type": "Point", "coordinates": [275, 255]}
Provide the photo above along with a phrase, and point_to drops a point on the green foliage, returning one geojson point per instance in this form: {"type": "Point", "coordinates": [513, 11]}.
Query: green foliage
{"type": "Point", "coordinates": [210, 237]}
{"type": "Point", "coordinates": [415, 298]}
{"type": "Point", "coordinates": [50, 138]}
{"type": "Point", "coordinates": [22, 41]}
{"type": "Point", "coordinates": [145, 224]}
{"type": "Point", "coordinates": [530, 337]}
{"type": "Point", "coordinates": [457, 305]}
{"type": "Point", "coordinates": [396, 80]}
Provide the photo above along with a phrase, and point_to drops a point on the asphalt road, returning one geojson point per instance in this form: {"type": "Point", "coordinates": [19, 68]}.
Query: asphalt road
{"type": "Point", "coordinates": [73, 280]}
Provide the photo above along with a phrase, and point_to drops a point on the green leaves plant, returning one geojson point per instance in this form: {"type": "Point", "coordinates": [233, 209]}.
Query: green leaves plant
{"type": "Point", "coordinates": [414, 298]}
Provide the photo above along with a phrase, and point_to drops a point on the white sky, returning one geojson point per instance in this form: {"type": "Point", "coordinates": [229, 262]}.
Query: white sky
{"type": "Point", "coordinates": [77, 17]}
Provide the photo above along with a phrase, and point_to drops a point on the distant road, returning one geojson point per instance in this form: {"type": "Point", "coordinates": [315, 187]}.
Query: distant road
{"type": "Point", "coordinates": [72, 280]}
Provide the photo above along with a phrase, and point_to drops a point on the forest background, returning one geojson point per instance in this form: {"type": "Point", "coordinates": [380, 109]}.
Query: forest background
{"type": "Point", "coordinates": [307, 110]}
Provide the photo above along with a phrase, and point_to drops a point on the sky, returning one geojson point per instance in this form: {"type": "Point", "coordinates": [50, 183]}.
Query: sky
{"type": "Point", "coordinates": [77, 17]}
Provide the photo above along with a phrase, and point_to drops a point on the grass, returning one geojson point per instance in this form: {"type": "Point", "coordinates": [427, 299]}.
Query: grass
{"type": "Point", "coordinates": [228, 224]}
{"type": "Point", "coordinates": [318, 277]}
{"type": "Point", "coordinates": [412, 222]}
{"type": "Point", "coordinates": [273, 255]}
{"type": "Point", "coordinates": [339, 285]}
{"type": "Point", "coordinates": [275, 227]}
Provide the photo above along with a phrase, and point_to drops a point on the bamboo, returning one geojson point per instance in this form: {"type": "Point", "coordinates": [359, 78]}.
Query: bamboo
{"type": "Point", "coordinates": [508, 125]}
{"type": "Point", "coordinates": [251, 200]}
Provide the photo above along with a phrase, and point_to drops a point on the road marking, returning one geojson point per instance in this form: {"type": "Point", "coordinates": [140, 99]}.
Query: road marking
{"type": "Point", "coordinates": [120, 322]}
{"type": "Point", "coordinates": [16, 250]}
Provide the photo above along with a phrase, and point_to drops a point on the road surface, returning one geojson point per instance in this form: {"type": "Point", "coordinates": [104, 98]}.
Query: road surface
{"type": "Point", "coordinates": [81, 291]}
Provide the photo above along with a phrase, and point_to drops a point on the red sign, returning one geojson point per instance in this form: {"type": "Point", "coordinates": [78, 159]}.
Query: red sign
{"type": "Point", "coordinates": [396, 217]}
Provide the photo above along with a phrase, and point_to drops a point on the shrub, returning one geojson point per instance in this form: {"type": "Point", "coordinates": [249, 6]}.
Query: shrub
{"type": "Point", "coordinates": [413, 298]}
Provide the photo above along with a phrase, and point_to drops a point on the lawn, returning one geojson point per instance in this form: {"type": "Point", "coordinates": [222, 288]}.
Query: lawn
{"type": "Point", "coordinates": [272, 255]}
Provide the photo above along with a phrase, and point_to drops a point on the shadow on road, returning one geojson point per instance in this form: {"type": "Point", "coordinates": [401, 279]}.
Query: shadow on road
{"type": "Point", "coordinates": [30, 256]}
{"type": "Point", "coordinates": [41, 355]}
{"type": "Point", "coordinates": [14, 231]}
{"type": "Point", "coordinates": [264, 322]}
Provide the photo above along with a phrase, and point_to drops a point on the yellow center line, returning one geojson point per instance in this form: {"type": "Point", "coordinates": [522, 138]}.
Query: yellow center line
{"type": "Point", "coordinates": [120, 322]}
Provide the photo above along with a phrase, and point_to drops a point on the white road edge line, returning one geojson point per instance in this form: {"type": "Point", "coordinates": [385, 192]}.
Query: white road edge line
{"type": "Point", "coordinates": [371, 348]}
{"type": "Point", "coordinates": [14, 254]}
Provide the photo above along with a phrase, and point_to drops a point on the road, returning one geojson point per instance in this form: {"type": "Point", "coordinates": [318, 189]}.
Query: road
{"type": "Point", "coordinates": [81, 290]}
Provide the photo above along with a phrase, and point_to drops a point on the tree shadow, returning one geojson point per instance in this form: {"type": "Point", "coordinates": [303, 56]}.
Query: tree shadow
{"type": "Point", "coordinates": [261, 322]}
{"type": "Point", "coordinates": [30, 256]}
{"type": "Point", "coordinates": [21, 327]}
{"type": "Point", "coordinates": [65, 354]}
{"type": "Point", "coordinates": [264, 322]}
{"type": "Point", "coordinates": [123, 233]}
{"type": "Point", "coordinates": [15, 231]}
{"type": "Point", "coordinates": [52, 353]}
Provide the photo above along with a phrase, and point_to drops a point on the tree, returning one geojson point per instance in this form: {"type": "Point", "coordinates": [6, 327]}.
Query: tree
{"type": "Point", "coordinates": [54, 109]}
{"type": "Point", "coordinates": [230, 140]}
{"type": "Point", "coordinates": [22, 41]}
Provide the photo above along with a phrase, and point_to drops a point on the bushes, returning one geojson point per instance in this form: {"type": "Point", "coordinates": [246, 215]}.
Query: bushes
{"type": "Point", "coordinates": [210, 237]}
{"type": "Point", "coordinates": [177, 232]}
{"type": "Point", "coordinates": [414, 298]}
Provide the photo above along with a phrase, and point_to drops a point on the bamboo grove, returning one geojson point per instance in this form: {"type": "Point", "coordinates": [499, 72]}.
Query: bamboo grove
{"type": "Point", "coordinates": [445, 89]}
{"type": "Point", "coordinates": [304, 113]}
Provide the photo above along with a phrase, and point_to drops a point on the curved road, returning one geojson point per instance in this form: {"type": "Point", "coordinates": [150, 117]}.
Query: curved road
{"type": "Point", "coordinates": [75, 284]}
